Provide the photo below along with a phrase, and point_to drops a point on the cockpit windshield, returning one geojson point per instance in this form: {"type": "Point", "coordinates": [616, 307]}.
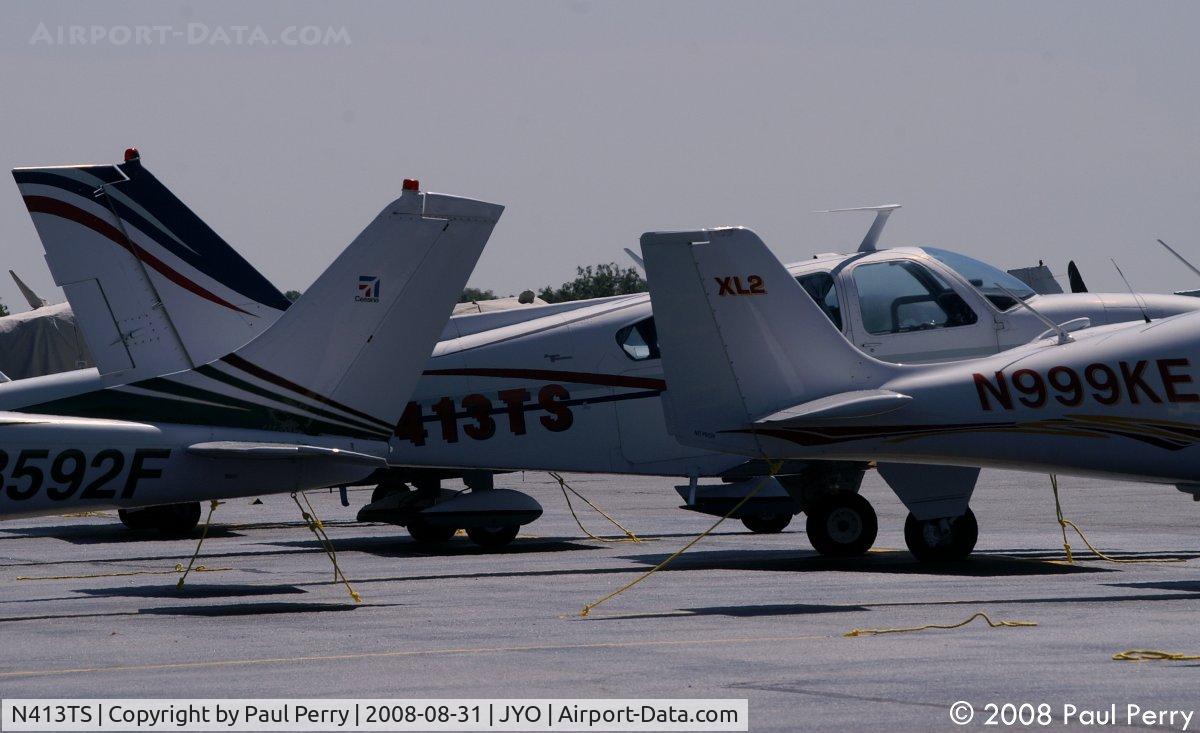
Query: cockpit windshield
{"type": "Point", "coordinates": [986, 279]}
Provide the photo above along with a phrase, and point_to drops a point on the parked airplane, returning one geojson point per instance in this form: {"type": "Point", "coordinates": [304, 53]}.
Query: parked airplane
{"type": "Point", "coordinates": [310, 401]}
{"type": "Point", "coordinates": [756, 369]}
{"type": "Point", "coordinates": [569, 386]}
{"type": "Point", "coordinates": [42, 340]}
{"type": "Point", "coordinates": [589, 372]}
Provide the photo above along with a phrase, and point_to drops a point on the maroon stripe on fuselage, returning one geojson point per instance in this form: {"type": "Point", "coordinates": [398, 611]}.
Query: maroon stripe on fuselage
{"type": "Point", "coordinates": [236, 361]}
{"type": "Point", "coordinates": [553, 375]}
{"type": "Point", "coordinates": [55, 207]}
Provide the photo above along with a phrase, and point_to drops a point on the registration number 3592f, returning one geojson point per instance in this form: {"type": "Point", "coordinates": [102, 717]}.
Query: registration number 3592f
{"type": "Point", "coordinates": [72, 473]}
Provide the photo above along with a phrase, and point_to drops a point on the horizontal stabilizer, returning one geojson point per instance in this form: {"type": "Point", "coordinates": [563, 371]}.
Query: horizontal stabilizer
{"type": "Point", "coordinates": [859, 403]}
{"type": "Point", "coordinates": [277, 451]}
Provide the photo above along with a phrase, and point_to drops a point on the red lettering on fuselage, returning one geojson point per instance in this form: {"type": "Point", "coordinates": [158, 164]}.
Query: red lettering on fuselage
{"type": "Point", "coordinates": [482, 415]}
{"type": "Point", "coordinates": [1102, 383]}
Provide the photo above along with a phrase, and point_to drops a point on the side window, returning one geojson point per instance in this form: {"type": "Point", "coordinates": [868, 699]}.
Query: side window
{"type": "Point", "coordinates": [639, 340]}
{"type": "Point", "coordinates": [819, 286]}
{"type": "Point", "coordinates": [902, 296]}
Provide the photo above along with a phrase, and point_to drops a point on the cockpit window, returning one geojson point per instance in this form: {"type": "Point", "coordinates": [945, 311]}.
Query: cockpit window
{"type": "Point", "coordinates": [819, 286]}
{"type": "Point", "coordinates": [986, 279]}
{"type": "Point", "coordinates": [902, 296]}
{"type": "Point", "coordinates": [639, 340]}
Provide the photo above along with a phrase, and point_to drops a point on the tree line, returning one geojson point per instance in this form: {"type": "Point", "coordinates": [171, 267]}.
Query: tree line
{"type": "Point", "coordinates": [592, 281]}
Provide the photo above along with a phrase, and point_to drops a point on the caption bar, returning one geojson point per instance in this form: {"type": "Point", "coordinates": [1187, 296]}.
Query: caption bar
{"type": "Point", "coordinates": [375, 715]}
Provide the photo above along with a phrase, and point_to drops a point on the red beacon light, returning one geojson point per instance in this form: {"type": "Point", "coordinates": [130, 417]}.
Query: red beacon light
{"type": "Point", "coordinates": [411, 184]}
{"type": "Point", "coordinates": [131, 154]}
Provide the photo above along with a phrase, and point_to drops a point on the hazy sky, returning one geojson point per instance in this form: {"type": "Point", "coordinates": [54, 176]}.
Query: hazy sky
{"type": "Point", "coordinates": [1009, 131]}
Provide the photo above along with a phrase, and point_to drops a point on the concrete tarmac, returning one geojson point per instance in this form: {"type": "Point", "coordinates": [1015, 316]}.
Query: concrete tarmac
{"type": "Point", "coordinates": [89, 609]}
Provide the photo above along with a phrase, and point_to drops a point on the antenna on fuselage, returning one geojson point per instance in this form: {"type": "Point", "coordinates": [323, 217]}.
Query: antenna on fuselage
{"type": "Point", "coordinates": [1136, 299]}
{"type": "Point", "coordinates": [1063, 336]}
{"type": "Point", "coordinates": [633, 256]}
{"type": "Point", "coordinates": [871, 241]}
{"type": "Point", "coordinates": [1180, 257]}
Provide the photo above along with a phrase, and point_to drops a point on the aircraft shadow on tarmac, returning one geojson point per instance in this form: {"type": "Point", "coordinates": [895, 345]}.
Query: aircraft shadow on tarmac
{"type": "Point", "coordinates": [396, 546]}
{"type": "Point", "coordinates": [193, 590]}
{"type": "Point", "coordinates": [740, 611]}
{"type": "Point", "coordinates": [256, 609]}
{"type": "Point", "coordinates": [209, 610]}
{"type": "Point", "coordinates": [980, 565]}
{"type": "Point", "coordinates": [113, 534]}
{"type": "Point", "coordinates": [1183, 586]}
{"type": "Point", "coordinates": [1082, 553]}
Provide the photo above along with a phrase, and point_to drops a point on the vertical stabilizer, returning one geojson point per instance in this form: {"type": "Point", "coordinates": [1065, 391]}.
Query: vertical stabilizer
{"type": "Point", "coordinates": [740, 338]}
{"type": "Point", "coordinates": [154, 289]}
{"type": "Point", "coordinates": [357, 339]}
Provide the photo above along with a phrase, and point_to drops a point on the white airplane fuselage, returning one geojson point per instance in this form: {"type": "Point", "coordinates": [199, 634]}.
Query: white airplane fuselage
{"type": "Point", "coordinates": [1119, 401]}
{"type": "Point", "coordinates": [553, 389]}
{"type": "Point", "coordinates": [58, 464]}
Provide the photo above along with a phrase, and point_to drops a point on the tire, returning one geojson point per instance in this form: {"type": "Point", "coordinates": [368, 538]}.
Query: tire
{"type": "Point", "coordinates": [425, 533]}
{"type": "Point", "coordinates": [177, 520]}
{"type": "Point", "coordinates": [136, 519]}
{"type": "Point", "coordinates": [941, 540]}
{"type": "Point", "coordinates": [767, 523]}
{"type": "Point", "coordinates": [842, 525]}
{"type": "Point", "coordinates": [493, 537]}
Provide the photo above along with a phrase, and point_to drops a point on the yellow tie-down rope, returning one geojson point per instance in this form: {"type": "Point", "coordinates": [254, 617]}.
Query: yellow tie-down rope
{"type": "Point", "coordinates": [987, 619]}
{"type": "Point", "coordinates": [562, 484]}
{"type": "Point", "coordinates": [212, 507]}
{"type": "Point", "coordinates": [774, 467]}
{"type": "Point", "coordinates": [179, 567]}
{"type": "Point", "coordinates": [1063, 522]}
{"type": "Point", "coordinates": [318, 529]}
{"type": "Point", "coordinates": [1152, 655]}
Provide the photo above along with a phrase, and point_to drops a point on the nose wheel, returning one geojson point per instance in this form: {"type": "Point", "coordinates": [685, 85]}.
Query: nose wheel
{"type": "Point", "coordinates": [425, 533]}
{"type": "Point", "coordinates": [767, 523]}
{"type": "Point", "coordinates": [495, 537]}
{"type": "Point", "coordinates": [941, 540]}
{"type": "Point", "coordinates": [842, 525]}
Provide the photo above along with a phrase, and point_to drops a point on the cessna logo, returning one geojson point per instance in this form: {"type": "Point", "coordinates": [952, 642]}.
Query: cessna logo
{"type": "Point", "coordinates": [732, 285]}
{"type": "Point", "coordinates": [368, 289]}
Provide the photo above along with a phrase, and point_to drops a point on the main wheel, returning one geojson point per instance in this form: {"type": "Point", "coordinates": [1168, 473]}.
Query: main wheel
{"type": "Point", "coordinates": [767, 523]}
{"type": "Point", "coordinates": [136, 519]}
{"type": "Point", "coordinates": [941, 540]}
{"type": "Point", "coordinates": [493, 537]}
{"type": "Point", "coordinates": [177, 520]}
{"type": "Point", "coordinates": [171, 520]}
{"type": "Point", "coordinates": [842, 525]}
{"type": "Point", "coordinates": [429, 534]}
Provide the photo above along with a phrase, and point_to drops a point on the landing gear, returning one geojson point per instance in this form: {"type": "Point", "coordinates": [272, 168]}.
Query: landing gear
{"type": "Point", "coordinates": [491, 538]}
{"type": "Point", "coordinates": [842, 525]}
{"type": "Point", "coordinates": [767, 523]}
{"type": "Point", "coordinates": [492, 517]}
{"type": "Point", "coordinates": [425, 533]}
{"type": "Point", "coordinates": [170, 520]}
{"type": "Point", "coordinates": [941, 540]}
